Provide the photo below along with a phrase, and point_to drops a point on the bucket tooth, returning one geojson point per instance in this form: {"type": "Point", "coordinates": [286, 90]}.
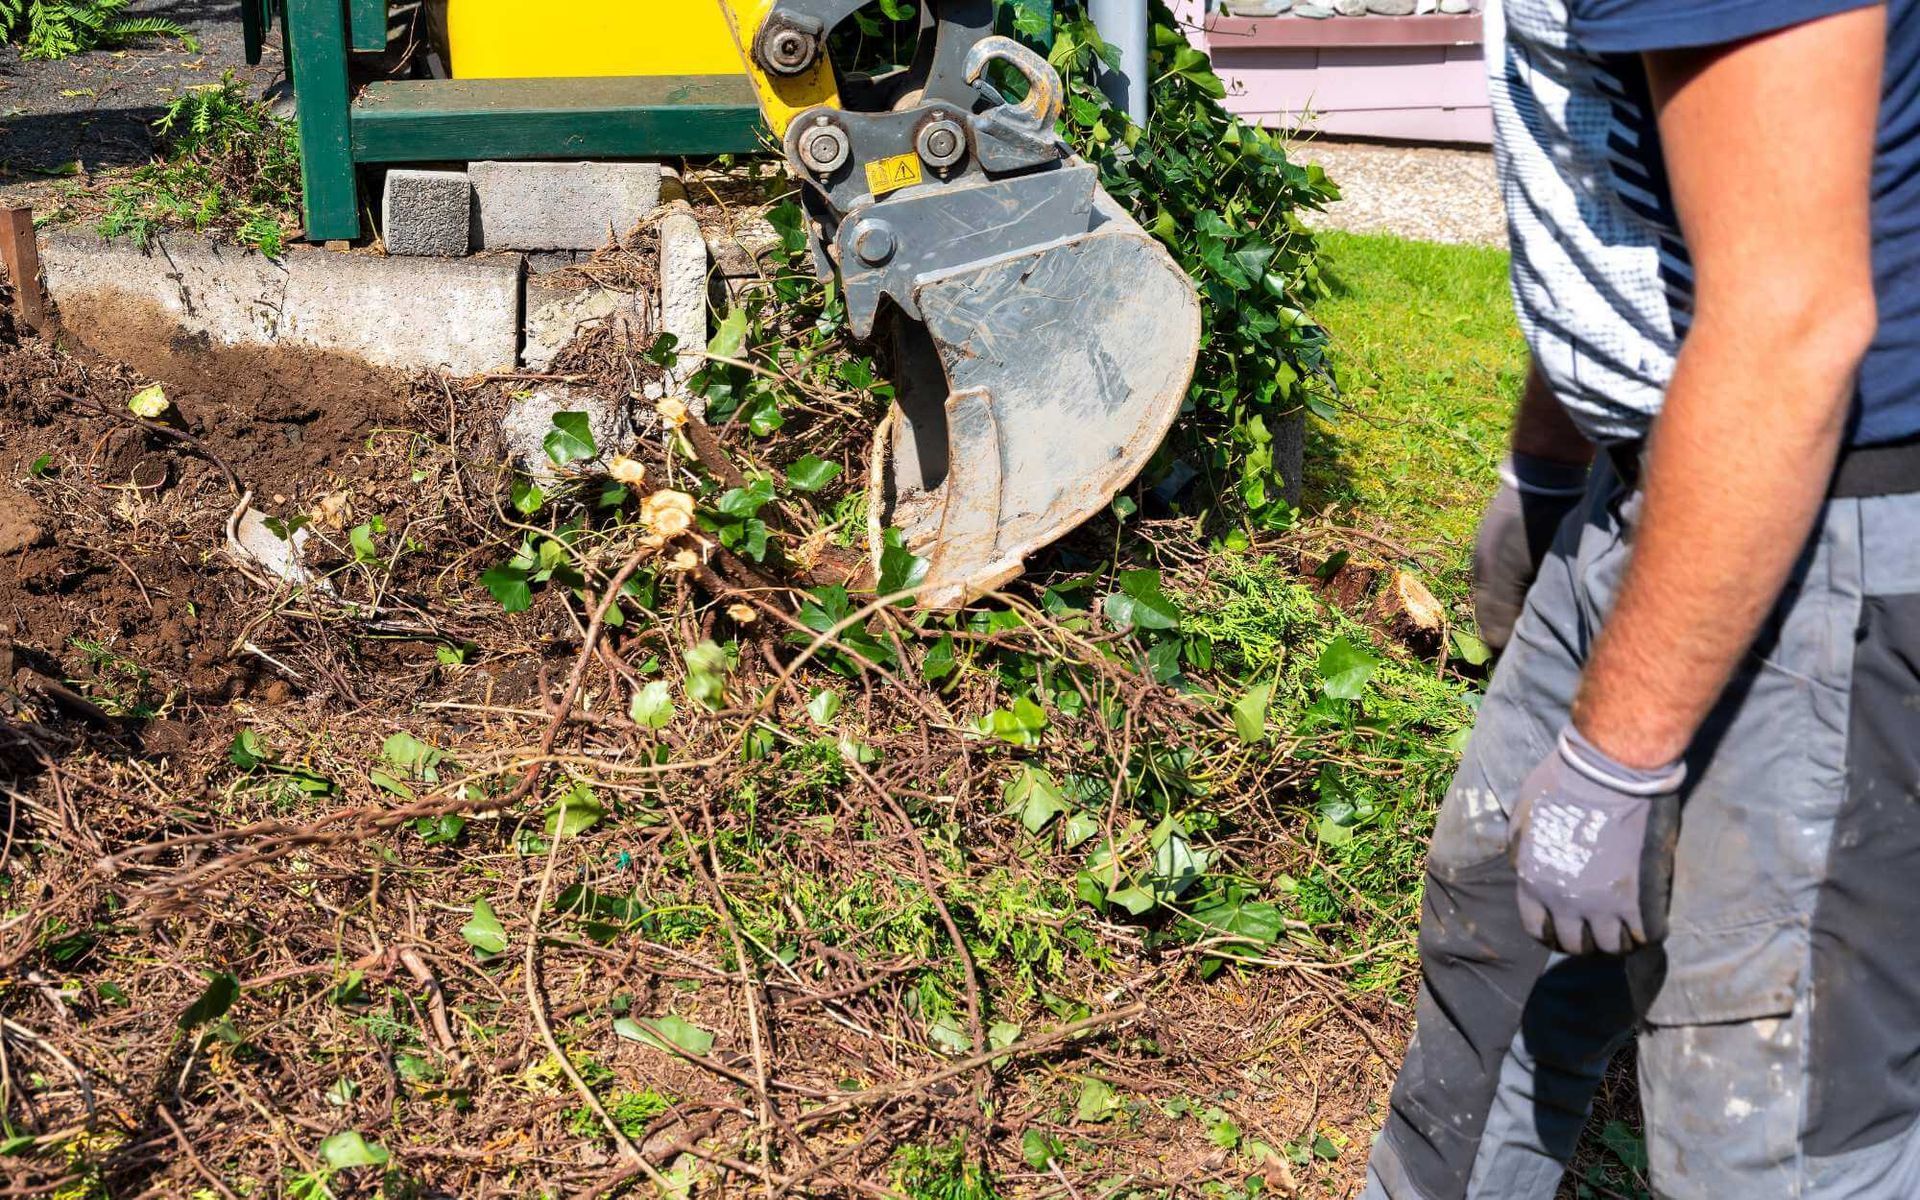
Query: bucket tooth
{"type": "Point", "coordinates": [1064, 366]}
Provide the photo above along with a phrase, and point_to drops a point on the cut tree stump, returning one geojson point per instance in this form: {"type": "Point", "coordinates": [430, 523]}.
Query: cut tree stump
{"type": "Point", "coordinates": [1408, 612]}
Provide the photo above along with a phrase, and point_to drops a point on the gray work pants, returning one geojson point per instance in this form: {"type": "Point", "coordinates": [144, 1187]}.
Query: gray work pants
{"type": "Point", "coordinates": [1779, 1025]}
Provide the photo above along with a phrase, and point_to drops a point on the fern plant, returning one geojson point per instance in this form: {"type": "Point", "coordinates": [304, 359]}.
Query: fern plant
{"type": "Point", "coordinates": [230, 166]}
{"type": "Point", "coordinates": [50, 29]}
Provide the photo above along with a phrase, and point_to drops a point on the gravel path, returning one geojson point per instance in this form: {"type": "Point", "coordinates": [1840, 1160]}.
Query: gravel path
{"type": "Point", "coordinates": [1433, 193]}
{"type": "Point", "coordinates": [97, 109]}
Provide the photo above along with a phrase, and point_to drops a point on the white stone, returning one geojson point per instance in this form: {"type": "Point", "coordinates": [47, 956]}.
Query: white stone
{"type": "Point", "coordinates": [529, 418]}
{"type": "Point", "coordinates": [1456, 6]}
{"type": "Point", "coordinates": [459, 315]}
{"type": "Point", "coordinates": [562, 205]}
{"type": "Point", "coordinates": [427, 213]}
{"type": "Point", "coordinates": [282, 558]}
{"type": "Point", "coordinates": [683, 288]}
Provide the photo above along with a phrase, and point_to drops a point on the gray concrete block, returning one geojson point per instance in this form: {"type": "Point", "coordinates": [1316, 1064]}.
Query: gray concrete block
{"type": "Point", "coordinates": [227, 294]}
{"type": "Point", "coordinates": [461, 315]}
{"type": "Point", "coordinates": [427, 213]}
{"type": "Point", "coordinates": [683, 287]}
{"type": "Point", "coordinates": [529, 418]}
{"type": "Point", "coordinates": [561, 206]}
{"type": "Point", "coordinates": [560, 309]}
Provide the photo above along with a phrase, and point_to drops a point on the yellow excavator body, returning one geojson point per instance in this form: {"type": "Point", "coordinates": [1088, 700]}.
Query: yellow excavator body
{"type": "Point", "coordinates": [588, 39]}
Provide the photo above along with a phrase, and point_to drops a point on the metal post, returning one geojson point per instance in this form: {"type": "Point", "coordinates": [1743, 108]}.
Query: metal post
{"type": "Point", "coordinates": [20, 254]}
{"type": "Point", "coordinates": [317, 34]}
{"type": "Point", "coordinates": [1123, 24]}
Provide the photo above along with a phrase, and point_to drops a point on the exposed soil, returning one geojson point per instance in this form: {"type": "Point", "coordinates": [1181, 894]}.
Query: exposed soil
{"type": "Point", "coordinates": [286, 420]}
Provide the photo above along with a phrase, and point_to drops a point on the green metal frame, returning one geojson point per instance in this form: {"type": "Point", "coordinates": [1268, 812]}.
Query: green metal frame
{"type": "Point", "coordinates": [465, 120]}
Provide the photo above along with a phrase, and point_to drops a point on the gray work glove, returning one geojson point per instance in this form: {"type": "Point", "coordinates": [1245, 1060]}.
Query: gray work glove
{"type": "Point", "coordinates": [1535, 496]}
{"type": "Point", "coordinates": [1593, 845]}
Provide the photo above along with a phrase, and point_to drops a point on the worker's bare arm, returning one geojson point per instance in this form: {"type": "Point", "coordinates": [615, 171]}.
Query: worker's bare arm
{"type": "Point", "coordinates": [1769, 145]}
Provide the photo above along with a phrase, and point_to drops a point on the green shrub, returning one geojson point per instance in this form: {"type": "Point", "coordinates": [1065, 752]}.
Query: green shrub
{"type": "Point", "coordinates": [50, 29]}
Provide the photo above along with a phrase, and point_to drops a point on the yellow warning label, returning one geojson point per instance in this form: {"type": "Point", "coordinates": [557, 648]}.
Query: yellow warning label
{"type": "Point", "coordinates": [891, 174]}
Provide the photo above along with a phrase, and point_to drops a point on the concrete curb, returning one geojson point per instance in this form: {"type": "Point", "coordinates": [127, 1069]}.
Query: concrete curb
{"type": "Point", "coordinates": [460, 315]}
{"type": "Point", "coordinates": [464, 315]}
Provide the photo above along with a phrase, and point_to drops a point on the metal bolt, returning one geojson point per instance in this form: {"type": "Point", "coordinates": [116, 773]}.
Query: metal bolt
{"type": "Point", "coordinates": [874, 243]}
{"type": "Point", "coordinates": [941, 142]}
{"type": "Point", "coordinates": [788, 51]}
{"type": "Point", "coordinates": [825, 147]}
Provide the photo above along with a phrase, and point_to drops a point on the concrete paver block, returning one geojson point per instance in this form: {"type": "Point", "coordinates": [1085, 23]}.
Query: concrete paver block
{"type": "Point", "coordinates": [558, 310]}
{"type": "Point", "coordinates": [561, 205]}
{"type": "Point", "coordinates": [683, 287]}
{"type": "Point", "coordinates": [427, 213]}
{"type": "Point", "coordinates": [227, 294]}
{"type": "Point", "coordinates": [462, 315]}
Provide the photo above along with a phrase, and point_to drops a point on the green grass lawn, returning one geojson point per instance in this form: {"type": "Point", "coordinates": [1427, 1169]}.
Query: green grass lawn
{"type": "Point", "coordinates": [1430, 364]}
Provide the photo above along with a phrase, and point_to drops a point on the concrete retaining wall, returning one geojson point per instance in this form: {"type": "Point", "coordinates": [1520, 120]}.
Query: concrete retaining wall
{"type": "Point", "coordinates": [465, 315]}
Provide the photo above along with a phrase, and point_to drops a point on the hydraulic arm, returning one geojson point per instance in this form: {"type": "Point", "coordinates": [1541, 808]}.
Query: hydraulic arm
{"type": "Point", "coordinates": [1043, 341]}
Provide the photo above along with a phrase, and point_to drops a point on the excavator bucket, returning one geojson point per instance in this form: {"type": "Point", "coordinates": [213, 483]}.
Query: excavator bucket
{"type": "Point", "coordinates": [1041, 340]}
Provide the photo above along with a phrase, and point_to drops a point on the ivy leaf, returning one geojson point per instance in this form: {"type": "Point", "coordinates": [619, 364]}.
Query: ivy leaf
{"type": "Point", "coordinates": [1141, 604]}
{"type": "Point", "coordinates": [577, 810]}
{"type": "Point", "coordinates": [221, 991]}
{"type": "Point", "coordinates": [1038, 1149]}
{"type": "Point", "coordinates": [707, 675]}
{"type": "Point", "coordinates": [810, 474]}
{"type": "Point", "coordinates": [248, 751]}
{"type": "Point", "coordinates": [901, 570]}
{"type": "Point", "coordinates": [938, 664]}
{"type": "Point", "coordinates": [824, 706]}
{"type": "Point", "coordinates": [1250, 713]}
{"type": "Point", "coordinates": [483, 930]}
{"type": "Point", "coordinates": [1097, 1100]}
{"type": "Point", "coordinates": [746, 501]}
{"type": "Point", "coordinates": [570, 439]}
{"type": "Point", "coordinates": [666, 1033]}
{"type": "Point", "coordinates": [1257, 920]}
{"type": "Point", "coordinates": [348, 1149]}
{"type": "Point", "coordinates": [653, 705]}
{"type": "Point", "coordinates": [1033, 794]}
{"type": "Point", "coordinates": [1021, 725]}
{"type": "Point", "coordinates": [360, 537]}
{"type": "Point", "coordinates": [948, 1036]}
{"type": "Point", "coordinates": [527, 496]}
{"type": "Point", "coordinates": [731, 338]}
{"type": "Point", "coordinates": [1080, 826]}
{"type": "Point", "coordinates": [1345, 669]}
{"type": "Point", "coordinates": [1470, 649]}
{"type": "Point", "coordinates": [509, 586]}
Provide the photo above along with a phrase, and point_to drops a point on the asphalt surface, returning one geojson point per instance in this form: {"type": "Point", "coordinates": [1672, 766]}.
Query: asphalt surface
{"type": "Point", "coordinates": [96, 110]}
